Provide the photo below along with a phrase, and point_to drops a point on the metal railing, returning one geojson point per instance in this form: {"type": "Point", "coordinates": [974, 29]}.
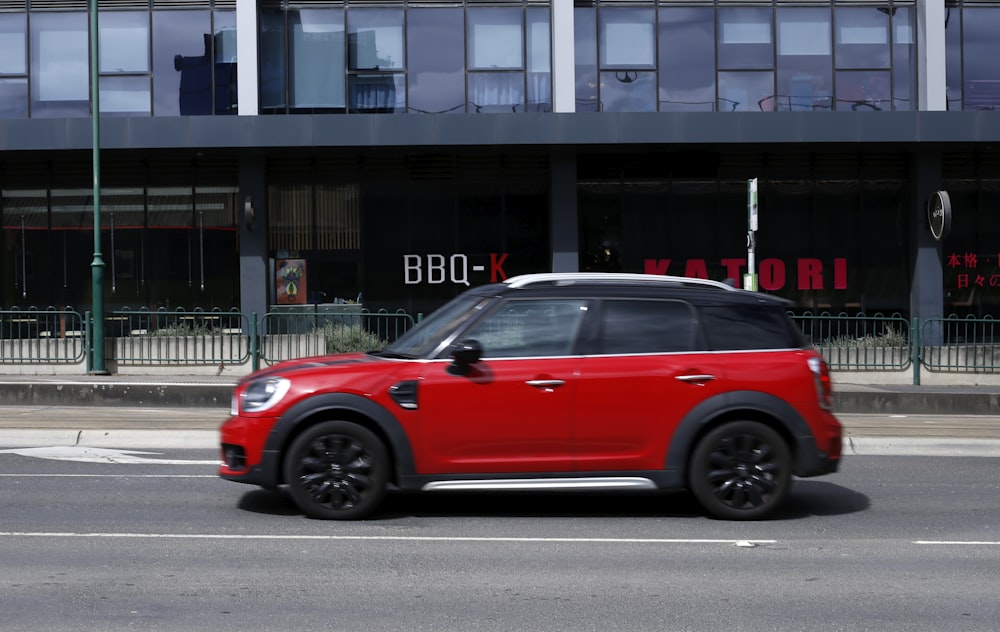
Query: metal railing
{"type": "Point", "coordinates": [849, 342]}
{"type": "Point", "coordinates": [310, 333]}
{"type": "Point", "coordinates": [878, 342]}
{"type": "Point", "coordinates": [164, 337]}
{"type": "Point", "coordinates": [42, 336]}
{"type": "Point", "coordinates": [180, 337]}
{"type": "Point", "coordinates": [858, 342]}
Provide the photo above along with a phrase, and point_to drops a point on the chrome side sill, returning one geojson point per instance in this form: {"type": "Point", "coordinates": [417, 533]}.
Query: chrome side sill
{"type": "Point", "coordinates": [542, 484]}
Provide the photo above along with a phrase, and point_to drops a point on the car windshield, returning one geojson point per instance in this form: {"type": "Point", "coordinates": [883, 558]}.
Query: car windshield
{"type": "Point", "coordinates": [423, 339]}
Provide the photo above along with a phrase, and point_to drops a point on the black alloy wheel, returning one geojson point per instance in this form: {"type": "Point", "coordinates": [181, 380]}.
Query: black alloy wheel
{"type": "Point", "coordinates": [337, 470]}
{"type": "Point", "coordinates": [740, 471]}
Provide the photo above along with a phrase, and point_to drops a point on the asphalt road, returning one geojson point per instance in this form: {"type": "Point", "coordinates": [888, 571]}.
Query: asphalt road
{"type": "Point", "coordinates": [160, 543]}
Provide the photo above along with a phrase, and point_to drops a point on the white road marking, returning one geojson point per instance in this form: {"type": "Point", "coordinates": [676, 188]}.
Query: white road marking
{"type": "Point", "coordinates": [958, 542]}
{"type": "Point", "coordinates": [33, 475]}
{"type": "Point", "coordinates": [83, 454]}
{"type": "Point", "coordinates": [373, 538]}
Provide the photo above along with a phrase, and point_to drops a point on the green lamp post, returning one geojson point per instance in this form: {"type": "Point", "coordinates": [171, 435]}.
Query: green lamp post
{"type": "Point", "coordinates": [97, 264]}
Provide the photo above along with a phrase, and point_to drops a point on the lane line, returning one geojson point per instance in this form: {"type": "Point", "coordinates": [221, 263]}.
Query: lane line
{"type": "Point", "coordinates": [958, 542]}
{"type": "Point", "coordinates": [110, 475]}
{"type": "Point", "coordinates": [380, 538]}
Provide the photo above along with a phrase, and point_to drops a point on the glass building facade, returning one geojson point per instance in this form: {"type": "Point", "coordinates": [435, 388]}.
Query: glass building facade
{"type": "Point", "coordinates": [527, 136]}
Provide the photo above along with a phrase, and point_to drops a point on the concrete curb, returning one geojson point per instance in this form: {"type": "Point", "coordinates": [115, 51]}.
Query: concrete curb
{"type": "Point", "coordinates": [144, 439]}
{"type": "Point", "coordinates": [209, 440]}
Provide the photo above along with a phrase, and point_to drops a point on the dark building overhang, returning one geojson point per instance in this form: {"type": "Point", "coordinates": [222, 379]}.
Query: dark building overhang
{"type": "Point", "coordinates": [747, 131]}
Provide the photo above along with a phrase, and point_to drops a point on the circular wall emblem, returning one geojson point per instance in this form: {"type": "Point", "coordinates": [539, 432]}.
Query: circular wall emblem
{"type": "Point", "coordinates": [939, 214]}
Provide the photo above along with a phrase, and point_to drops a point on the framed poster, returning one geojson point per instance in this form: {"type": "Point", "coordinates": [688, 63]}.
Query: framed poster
{"type": "Point", "coordinates": [290, 282]}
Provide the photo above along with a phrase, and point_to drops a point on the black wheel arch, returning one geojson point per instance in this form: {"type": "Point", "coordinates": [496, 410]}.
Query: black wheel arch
{"type": "Point", "coordinates": [743, 406]}
{"type": "Point", "coordinates": [339, 406]}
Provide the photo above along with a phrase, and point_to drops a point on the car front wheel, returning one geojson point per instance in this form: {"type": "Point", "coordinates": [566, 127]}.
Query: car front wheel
{"type": "Point", "coordinates": [337, 470]}
{"type": "Point", "coordinates": [740, 471]}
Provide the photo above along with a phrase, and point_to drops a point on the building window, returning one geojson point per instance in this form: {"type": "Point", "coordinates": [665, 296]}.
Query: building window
{"type": "Point", "coordinates": [495, 51]}
{"type": "Point", "coordinates": [745, 40]}
{"type": "Point", "coordinates": [13, 65]}
{"type": "Point", "coordinates": [124, 63]}
{"type": "Point", "coordinates": [627, 54]}
{"type": "Point", "coordinates": [59, 65]}
{"type": "Point", "coordinates": [804, 60]}
{"type": "Point", "coordinates": [980, 52]}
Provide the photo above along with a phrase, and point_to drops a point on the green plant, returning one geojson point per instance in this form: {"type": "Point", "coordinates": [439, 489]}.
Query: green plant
{"type": "Point", "coordinates": [178, 331]}
{"type": "Point", "coordinates": [889, 338]}
{"type": "Point", "coordinates": [343, 338]}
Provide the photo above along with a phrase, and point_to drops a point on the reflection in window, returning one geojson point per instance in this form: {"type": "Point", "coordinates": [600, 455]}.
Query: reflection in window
{"type": "Point", "coordinates": [628, 91]}
{"type": "Point", "coordinates": [124, 95]}
{"type": "Point", "coordinates": [180, 48]}
{"type": "Point", "coordinates": [60, 73]}
{"type": "Point", "coordinates": [435, 54]}
{"type": "Point", "coordinates": [805, 60]}
{"type": "Point", "coordinates": [627, 38]}
{"type": "Point", "coordinates": [495, 38]}
{"type": "Point", "coordinates": [208, 79]}
{"type": "Point", "coordinates": [13, 44]}
{"type": "Point", "coordinates": [375, 39]}
{"type": "Point", "coordinates": [375, 50]}
{"type": "Point", "coordinates": [496, 91]}
{"type": "Point", "coordinates": [585, 37]}
{"type": "Point", "coordinates": [904, 62]}
{"type": "Point", "coordinates": [981, 67]}
{"type": "Point", "coordinates": [746, 91]}
{"type": "Point", "coordinates": [863, 90]}
{"type": "Point", "coordinates": [377, 93]}
{"type": "Point", "coordinates": [539, 60]}
{"type": "Point", "coordinates": [316, 59]}
{"type": "Point", "coordinates": [862, 37]}
{"type": "Point", "coordinates": [13, 98]}
{"type": "Point", "coordinates": [124, 42]}
{"type": "Point", "coordinates": [745, 38]}
{"type": "Point", "coordinates": [529, 328]}
{"type": "Point", "coordinates": [643, 326]}
{"type": "Point", "coordinates": [687, 60]}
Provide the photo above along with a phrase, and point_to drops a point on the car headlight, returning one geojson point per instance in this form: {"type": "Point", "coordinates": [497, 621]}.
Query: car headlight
{"type": "Point", "coordinates": [262, 394]}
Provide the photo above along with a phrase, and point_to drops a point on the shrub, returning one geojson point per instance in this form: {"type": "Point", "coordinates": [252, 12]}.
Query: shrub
{"type": "Point", "coordinates": [343, 338]}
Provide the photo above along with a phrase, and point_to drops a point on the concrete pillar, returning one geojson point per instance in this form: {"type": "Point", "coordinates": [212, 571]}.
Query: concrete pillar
{"type": "Point", "coordinates": [927, 286]}
{"type": "Point", "coordinates": [563, 57]}
{"type": "Point", "coordinates": [246, 57]}
{"type": "Point", "coordinates": [252, 215]}
{"type": "Point", "coordinates": [932, 84]}
{"type": "Point", "coordinates": [563, 213]}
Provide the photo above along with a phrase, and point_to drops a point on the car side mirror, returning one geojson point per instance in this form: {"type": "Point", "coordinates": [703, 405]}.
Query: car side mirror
{"type": "Point", "coordinates": [464, 354]}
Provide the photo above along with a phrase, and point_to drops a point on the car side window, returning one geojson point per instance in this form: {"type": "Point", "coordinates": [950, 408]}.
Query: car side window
{"type": "Point", "coordinates": [646, 326]}
{"type": "Point", "coordinates": [525, 328]}
{"type": "Point", "coordinates": [749, 327]}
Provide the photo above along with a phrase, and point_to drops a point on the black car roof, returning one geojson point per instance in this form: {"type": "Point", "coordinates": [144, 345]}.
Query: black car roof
{"type": "Point", "coordinates": [639, 285]}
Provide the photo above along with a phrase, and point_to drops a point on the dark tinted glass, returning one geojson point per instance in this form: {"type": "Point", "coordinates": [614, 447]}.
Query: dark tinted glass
{"type": "Point", "coordinates": [646, 326]}
{"type": "Point", "coordinates": [744, 327]}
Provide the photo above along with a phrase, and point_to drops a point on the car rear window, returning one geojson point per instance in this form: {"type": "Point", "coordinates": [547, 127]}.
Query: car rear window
{"type": "Point", "coordinates": [746, 327]}
{"type": "Point", "coordinates": [645, 326]}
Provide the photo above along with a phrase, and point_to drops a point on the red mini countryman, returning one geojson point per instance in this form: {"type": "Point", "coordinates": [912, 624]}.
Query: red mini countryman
{"type": "Point", "coordinates": [551, 382]}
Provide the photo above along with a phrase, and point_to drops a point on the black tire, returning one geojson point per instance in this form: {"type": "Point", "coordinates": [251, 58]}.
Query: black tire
{"type": "Point", "coordinates": [337, 470]}
{"type": "Point", "coordinates": [741, 470]}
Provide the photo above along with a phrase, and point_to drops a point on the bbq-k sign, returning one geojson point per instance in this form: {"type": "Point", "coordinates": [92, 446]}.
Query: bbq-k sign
{"type": "Point", "coordinates": [459, 269]}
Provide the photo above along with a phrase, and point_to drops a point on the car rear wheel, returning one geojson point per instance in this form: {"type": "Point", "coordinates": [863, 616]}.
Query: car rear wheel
{"type": "Point", "coordinates": [337, 470]}
{"type": "Point", "coordinates": [740, 471]}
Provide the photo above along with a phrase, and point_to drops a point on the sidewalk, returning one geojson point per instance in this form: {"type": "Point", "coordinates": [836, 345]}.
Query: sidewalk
{"type": "Point", "coordinates": [215, 392]}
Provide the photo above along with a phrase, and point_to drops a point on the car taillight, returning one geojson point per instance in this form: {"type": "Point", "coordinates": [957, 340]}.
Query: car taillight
{"type": "Point", "coordinates": [821, 377]}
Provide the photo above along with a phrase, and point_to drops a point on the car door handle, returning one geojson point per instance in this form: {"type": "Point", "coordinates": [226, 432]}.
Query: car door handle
{"type": "Point", "coordinates": [699, 378]}
{"type": "Point", "coordinates": [545, 383]}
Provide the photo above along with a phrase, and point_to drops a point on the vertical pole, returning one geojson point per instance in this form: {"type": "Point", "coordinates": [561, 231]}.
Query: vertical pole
{"type": "Point", "coordinates": [750, 280]}
{"type": "Point", "coordinates": [97, 265]}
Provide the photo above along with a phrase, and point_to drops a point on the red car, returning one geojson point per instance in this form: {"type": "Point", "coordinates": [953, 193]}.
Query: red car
{"type": "Point", "coordinates": [551, 382]}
